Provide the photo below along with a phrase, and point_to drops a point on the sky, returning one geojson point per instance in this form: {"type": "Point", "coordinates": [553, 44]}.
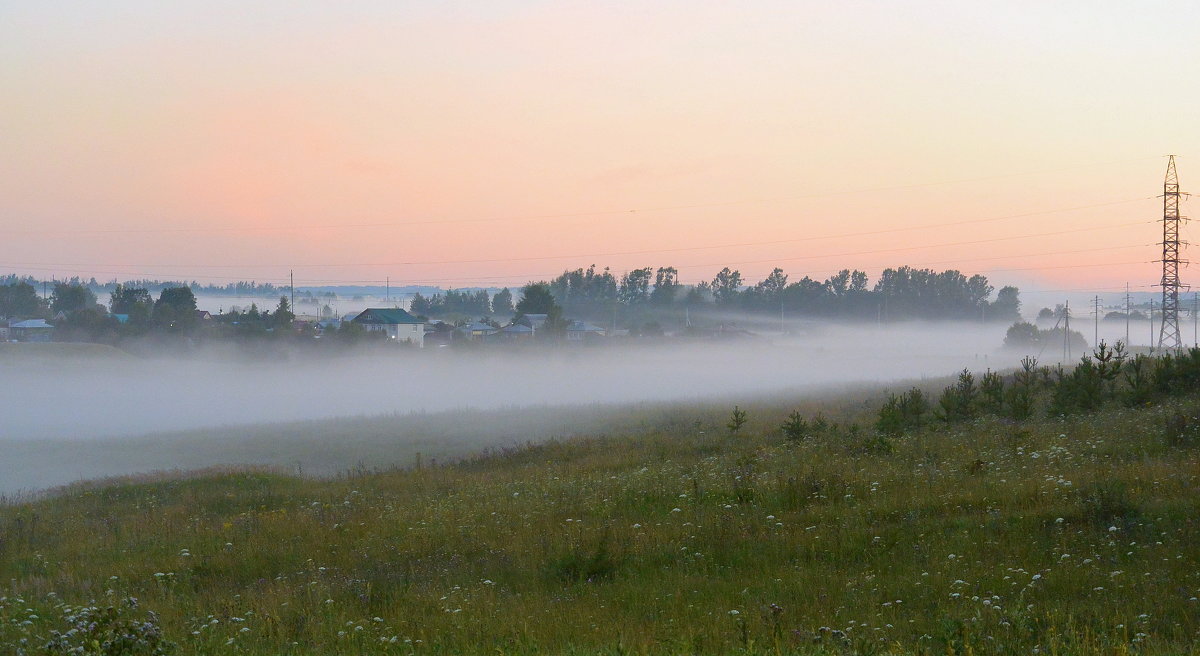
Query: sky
{"type": "Point", "coordinates": [491, 143]}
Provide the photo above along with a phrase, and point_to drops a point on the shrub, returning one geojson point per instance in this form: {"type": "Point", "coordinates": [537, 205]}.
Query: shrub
{"type": "Point", "coordinates": [1136, 373]}
{"type": "Point", "coordinates": [796, 428]}
{"type": "Point", "coordinates": [583, 564]}
{"type": "Point", "coordinates": [902, 413]}
{"type": "Point", "coordinates": [109, 631]}
{"type": "Point", "coordinates": [1079, 390]}
{"type": "Point", "coordinates": [1182, 429]}
{"type": "Point", "coordinates": [958, 401]}
{"type": "Point", "coordinates": [1107, 502]}
{"type": "Point", "coordinates": [1020, 396]}
{"type": "Point", "coordinates": [991, 392]}
{"type": "Point", "coordinates": [736, 420]}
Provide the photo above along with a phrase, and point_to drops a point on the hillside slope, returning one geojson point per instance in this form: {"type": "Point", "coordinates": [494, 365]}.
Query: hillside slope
{"type": "Point", "coordinates": [1067, 536]}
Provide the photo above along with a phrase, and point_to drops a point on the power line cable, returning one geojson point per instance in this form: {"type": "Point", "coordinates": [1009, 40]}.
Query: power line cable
{"type": "Point", "coordinates": [559, 216]}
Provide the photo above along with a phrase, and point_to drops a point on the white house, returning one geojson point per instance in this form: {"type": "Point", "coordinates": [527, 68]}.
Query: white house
{"type": "Point", "coordinates": [579, 331]}
{"type": "Point", "coordinates": [398, 324]}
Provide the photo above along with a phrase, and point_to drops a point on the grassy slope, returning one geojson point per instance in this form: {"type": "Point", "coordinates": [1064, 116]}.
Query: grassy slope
{"type": "Point", "coordinates": [1078, 536]}
{"type": "Point", "coordinates": [332, 446]}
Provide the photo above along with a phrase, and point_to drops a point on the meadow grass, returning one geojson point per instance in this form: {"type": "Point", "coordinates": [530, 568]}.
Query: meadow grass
{"type": "Point", "coordinates": [1056, 536]}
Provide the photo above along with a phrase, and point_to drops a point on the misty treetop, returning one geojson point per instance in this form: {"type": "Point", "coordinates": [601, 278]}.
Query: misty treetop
{"type": "Point", "coordinates": [899, 293]}
{"type": "Point", "coordinates": [453, 302]}
{"type": "Point", "coordinates": [20, 300]}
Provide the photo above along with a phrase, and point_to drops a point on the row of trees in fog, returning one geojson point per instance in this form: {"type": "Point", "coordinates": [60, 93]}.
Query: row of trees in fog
{"type": "Point", "coordinates": [243, 288]}
{"type": "Point", "coordinates": [900, 293]}
{"type": "Point", "coordinates": [644, 299]}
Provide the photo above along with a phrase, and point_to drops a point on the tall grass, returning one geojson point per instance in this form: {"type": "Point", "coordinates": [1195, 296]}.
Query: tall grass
{"type": "Point", "coordinates": [1066, 535]}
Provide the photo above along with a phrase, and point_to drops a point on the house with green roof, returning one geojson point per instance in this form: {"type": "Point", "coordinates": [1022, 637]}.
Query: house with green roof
{"type": "Point", "coordinates": [398, 324]}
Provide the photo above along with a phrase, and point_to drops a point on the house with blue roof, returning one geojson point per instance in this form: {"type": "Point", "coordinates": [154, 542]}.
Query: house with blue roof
{"type": "Point", "coordinates": [32, 330]}
{"type": "Point", "coordinates": [396, 323]}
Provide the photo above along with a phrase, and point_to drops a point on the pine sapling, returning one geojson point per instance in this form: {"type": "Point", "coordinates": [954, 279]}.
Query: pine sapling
{"type": "Point", "coordinates": [736, 420]}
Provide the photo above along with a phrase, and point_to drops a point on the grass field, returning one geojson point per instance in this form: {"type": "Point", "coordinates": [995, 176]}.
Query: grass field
{"type": "Point", "coordinates": [327, 447]}
{"type": "Point", "coordinates": [1055, 536]}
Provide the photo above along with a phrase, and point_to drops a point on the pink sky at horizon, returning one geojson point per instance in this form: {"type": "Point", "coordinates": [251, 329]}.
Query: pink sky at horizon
{"type": "Point", "coordinates": [464, 144]}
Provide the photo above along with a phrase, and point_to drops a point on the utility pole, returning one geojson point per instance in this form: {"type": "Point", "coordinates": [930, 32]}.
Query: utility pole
{"type": "Point", "coordinates": [1067, 331]}
{"type": "Point", "coordinates": [1096, 330]}
{"type": "Point", "coordinates": [1128, 309]}
{"type": "Point", "coordinates": [1195, 324]}
{"type": "Point", "coordinates": [1168, 335]}
{"type": "Point", "coordinates": [387, 290]}
{"type": "Point", "coordinates": [292, 285]}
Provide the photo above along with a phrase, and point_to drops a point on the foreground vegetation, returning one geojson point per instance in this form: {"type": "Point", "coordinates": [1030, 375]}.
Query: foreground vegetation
{"type": "Point", "coordinates": [1065, 534]}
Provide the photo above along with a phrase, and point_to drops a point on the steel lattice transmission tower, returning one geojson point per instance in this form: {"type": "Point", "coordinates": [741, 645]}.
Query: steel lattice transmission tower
{"type": "Point", "coordinates": [1168, 335]}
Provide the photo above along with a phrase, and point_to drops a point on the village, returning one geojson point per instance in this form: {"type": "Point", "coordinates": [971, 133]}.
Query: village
{"type": "Point", "coordinates": [73, 314]}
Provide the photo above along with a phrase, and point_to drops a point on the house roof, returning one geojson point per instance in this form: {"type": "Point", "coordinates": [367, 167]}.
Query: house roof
{"type": "Point", "coordinates": [583, 327]}
{"type": "Point", "coordinates": [516, 328]}
{"type": "Point", "coordinates": [386, 316]}
{"type": "Point", "coordinates": [32, 323]}
{"type": "Point", "coordinates": [534, 320]}
{"type": "Point", "coordinates": [479, 327]}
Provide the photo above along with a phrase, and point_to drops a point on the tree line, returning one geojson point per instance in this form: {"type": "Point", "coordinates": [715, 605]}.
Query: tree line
{"type": "Point", "coordinates": [900, 293]}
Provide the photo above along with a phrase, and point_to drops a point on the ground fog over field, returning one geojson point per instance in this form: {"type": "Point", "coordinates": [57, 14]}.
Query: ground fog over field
{"type": "Point", "coordinates": [110, 398]}
{"type": "Point", "coordinates": [71, 419]}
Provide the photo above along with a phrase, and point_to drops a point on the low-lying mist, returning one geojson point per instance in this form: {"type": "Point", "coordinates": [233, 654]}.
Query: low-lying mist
{"type": "Point", "coordinates": [107, 400]}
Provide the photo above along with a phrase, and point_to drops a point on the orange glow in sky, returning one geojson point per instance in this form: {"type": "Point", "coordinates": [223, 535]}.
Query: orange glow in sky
{"type": "Point", "coordinates": [490, 143]}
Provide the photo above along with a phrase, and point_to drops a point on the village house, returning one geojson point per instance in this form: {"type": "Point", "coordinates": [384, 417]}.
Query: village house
{"type": "Point", "coordinates": [32, 330]}
{"type": "Point", "coordinates": [579, 331]}
{"type": "Point", "coordinates": [478, 330]}
{"type": "Point", "coordinates": [396, 323]}
{"type": "Point", "coordinates": [513, 331]}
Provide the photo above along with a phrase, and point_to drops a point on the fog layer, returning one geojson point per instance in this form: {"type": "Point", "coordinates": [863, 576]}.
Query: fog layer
{"type": "Point", "coordinates": [94, 399]}
{"type": "Point", "coordinates": [64, 420]}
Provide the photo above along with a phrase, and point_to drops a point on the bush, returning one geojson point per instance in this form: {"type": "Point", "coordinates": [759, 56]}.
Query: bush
{"type": "Point", "coordinates": [991, 392]}
{"type": "Point", "coordinates": [109, 631]}
{"type": "Point", "coordinates": [1090, 383]}
{"type": "Point", "coordinates": [1139, 390]}
{"type": "Point", "coordinates": [1020, 397]}
{"type": "Point", "coordinates": [902, 413]}
{"type": "Point", "coordinates": [796, 428]}
{"type": "Point", "coordinates": [586, 565]}
{"type": "Point", "coordinates": [958, 401]}
{"type": "Point", "coordinates": [1107, 503]}
{"type": "Point", "coordinates": [1182, 429]}
{"type": "Point", "coordinates": [737, 419]}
